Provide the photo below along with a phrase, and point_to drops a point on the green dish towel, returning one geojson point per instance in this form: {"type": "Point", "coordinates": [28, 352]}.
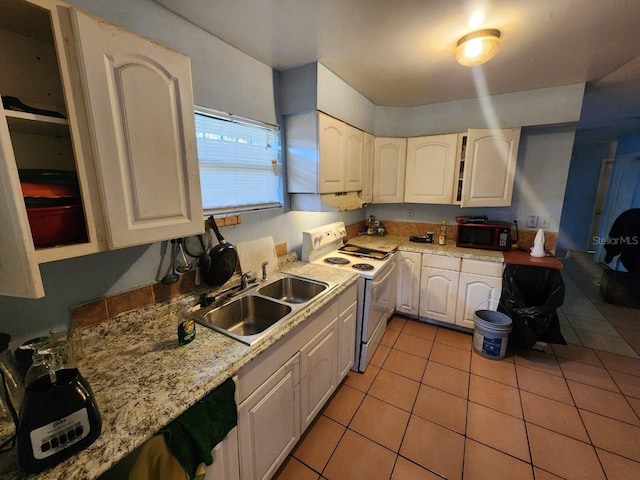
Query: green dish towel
{"type": "Point", "coordinates": [193, 435]}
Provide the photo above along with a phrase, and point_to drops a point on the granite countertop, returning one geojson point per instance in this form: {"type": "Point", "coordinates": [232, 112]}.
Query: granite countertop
{"type": "Point", "coordinates": [389, 243]}
{"type": "Point", "coordinates": [142, 379]}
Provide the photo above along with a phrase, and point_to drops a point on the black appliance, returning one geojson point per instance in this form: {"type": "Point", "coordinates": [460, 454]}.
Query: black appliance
{"type": "Point", "coordinates": [488, 236]}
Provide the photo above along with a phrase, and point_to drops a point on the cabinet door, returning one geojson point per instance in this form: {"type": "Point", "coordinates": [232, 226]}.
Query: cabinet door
{"type": "Point", "coordinates": [269, 423]}
{"type": "Point", "coordinates": [490, 166]}
{"type": "Point", "coordinates": [332, 144]}
{"type": "Point", "coordinates": [141, 117]}
{"type": "Point", "coordinates": [476, 292]}
{"type": "Point", "coordinates": [354, 159]}
{"type": "Point", "coordinates": [367, 181]}
{"type": "Point", "coordinates": [347, 339]}
{"type": "Point", "coordinates": [431, 165]}
{"type": "Point", "coordinates": [438, 294]}
{"type": "Point", "coordinates": [318, 372]}
{"type": "Point", "coordinates": [408, 290]}
{"type": "Point", "coordinates": [226, 464]}
{"type": "Point", "coordinates": [388, 169]}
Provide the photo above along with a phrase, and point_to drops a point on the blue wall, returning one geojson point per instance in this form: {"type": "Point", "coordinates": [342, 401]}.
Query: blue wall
{"type": "Point", "coordinates": [580, 196]}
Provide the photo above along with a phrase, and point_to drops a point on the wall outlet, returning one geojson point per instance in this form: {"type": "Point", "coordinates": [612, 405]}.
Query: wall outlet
{"type": "Point", "coordinates": [532, 221]}
{"type": "Point", "coordinates": [544, 222]}
{"type": "Point", "coordinates": [410, 213]}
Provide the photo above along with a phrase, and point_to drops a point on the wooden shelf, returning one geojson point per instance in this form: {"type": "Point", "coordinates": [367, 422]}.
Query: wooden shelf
{"type": "Point", "coordinates": [33, 124]}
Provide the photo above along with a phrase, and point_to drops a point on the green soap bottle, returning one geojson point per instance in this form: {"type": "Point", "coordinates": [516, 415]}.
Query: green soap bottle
{"type": "Point", "coordinates": [186, 324]}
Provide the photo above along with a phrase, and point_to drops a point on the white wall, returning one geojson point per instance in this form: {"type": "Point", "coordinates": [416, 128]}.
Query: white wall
{"type": "Point", "coordinates": [545, 106]}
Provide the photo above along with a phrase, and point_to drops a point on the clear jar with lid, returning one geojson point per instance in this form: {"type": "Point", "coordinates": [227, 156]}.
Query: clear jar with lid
{"type": "Point", "coordinates": [442, 236]}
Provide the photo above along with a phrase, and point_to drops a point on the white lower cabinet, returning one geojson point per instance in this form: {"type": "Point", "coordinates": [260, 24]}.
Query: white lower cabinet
{"type": "Point", "coordinates": [408, 288]}
{"type": "Point", "coordinates": [269, 423]}
{"type": "Point", "coordinates": [318, 372]}
{"type": "Point", "coordinates": [282, 391]}
{"type": "Point", "coordinates": [476, 292]}
{"type": "Point", "coordinates": [439, 290]}
{"type": "Point", "coordinates": [226, 464]}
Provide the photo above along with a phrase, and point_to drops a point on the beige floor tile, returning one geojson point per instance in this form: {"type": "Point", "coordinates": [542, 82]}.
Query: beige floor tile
{"type": "Point", "coordinates": [446, 378]}
{"type": "Point", "coordinates": [607, 343]}
{"type": "Point", "coordinates": [442, 408]}
{"type": "Point", "coordinates": [420, 329]}
{"type": "Point", "coordinates": [585, 309]}
{"type": "Point", "coordinates": [495, 395]}
{"type": "Point", "coordinates": [389, 337]}
{"type": "Point", "coordinates": [451, 356]}
{"type": "Point", "coordinates": [380, 355]}
{"type": "Point", "coordinates": [406, 470]}
{"type": "Point", "coordinates": [553, 415]}
{"type": "Point", "coordinates": [626, 321]}
{"type": "Point", "coordinates": [358, 458]}
{"type": "Point", "coordinates": [544, 475]}
{"type": "Point", "coordinates": [381, 422]}
{"type": "Point", "coordinates": [543, 384]}
{"type": "Point", "coordinates": [604, 402]}
{"type": "Point", "coordinates": [295, 470]}
{"type": "Point", "coordinates": [362, 381]}
{"type": "Point", "coordinates": [613, 435]}
{"type": "Point", "coordinates": [454, 338]}
{"type": "Point", "coordinates": [577, 353]}
{"type": "Point", "coordinates": [583, 373]}
{"type": "Point", "coordinates": [620, 363]}
{"type": "Point", "coordinates": [344, 404]}
{"type": "Point", "coordinates": [617, 467]}
{"type": "Point", "coordinates": [396, 323]}
{"type": "Point", "coordinates": [498, 430]}
{"type": "Point", "coordinates": [543, 362]}
{"type": "Point", "coordinates": [570, 336]}
{"type": "Point", "coordinates": [319, 442]}
{"type": "Point", "coordinates": [405, 364]}
{"type": "Point", "coordinates": [418, 346]}
{"type": "Point", "coordinates": [562, 455]}
{"type": "Point", "coordinates": [503, 371]}
{"type": "Point", "coordinates": [596, 325]}
{"type": "Point", "coordinates": [395, 389]}
{"type": "Point", "coordinates": [434, 447]}
{"type": "Point", "coordinates": [482, 463]}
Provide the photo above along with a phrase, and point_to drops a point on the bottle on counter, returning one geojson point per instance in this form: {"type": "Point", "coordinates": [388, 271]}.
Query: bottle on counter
{"type": "Point", "coordinates": [442, 236]}
{"type": "Point", "coordinates": [186, 323]}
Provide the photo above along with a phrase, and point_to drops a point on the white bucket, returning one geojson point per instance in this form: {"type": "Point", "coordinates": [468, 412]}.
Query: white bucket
{"type": "Point", "coordinates": [491, 333]}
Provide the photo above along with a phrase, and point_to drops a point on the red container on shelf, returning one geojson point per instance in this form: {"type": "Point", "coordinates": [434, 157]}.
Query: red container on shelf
{"type": "Point", "coordinates": [56, 225]}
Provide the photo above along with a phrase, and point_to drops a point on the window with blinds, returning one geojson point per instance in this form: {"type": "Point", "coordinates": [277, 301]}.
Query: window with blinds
{"type": "Point", "coordinates": [240, 163]}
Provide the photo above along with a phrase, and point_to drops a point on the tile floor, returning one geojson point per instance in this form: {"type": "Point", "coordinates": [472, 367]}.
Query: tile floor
{"type": "Point", "coordinates": [428, 407]}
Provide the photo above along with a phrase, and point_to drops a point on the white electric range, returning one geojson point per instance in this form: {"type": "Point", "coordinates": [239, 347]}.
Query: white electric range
{"type": "Point", "coordinates": [376, 288]}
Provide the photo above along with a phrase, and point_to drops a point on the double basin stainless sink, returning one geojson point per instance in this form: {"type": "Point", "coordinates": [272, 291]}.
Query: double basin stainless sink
{"type": "Point", "coordinates": [251, 314]}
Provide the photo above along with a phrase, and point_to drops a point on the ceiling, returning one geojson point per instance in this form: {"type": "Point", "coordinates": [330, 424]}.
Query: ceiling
{"type": "Point", "coordinates": [401, 52]}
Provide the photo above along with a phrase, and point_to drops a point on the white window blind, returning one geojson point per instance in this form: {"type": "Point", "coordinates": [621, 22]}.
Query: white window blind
{"type": "Point", "coordinates": [240, 163]}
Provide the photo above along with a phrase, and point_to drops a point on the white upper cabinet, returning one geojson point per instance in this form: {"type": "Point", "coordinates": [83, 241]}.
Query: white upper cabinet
{"type": "Point", "coordinates": [489, 167]}
{"type": "Point", "coordinates": [431, 162]}
{"type": "Point", "coordinates": [324, 155]}
{"type": "Point", "coordinates": [389, 169]}
{"type": "Point", "coordinates": [140, 105]}
{"type": "Point", "coordinates": [367, 179]}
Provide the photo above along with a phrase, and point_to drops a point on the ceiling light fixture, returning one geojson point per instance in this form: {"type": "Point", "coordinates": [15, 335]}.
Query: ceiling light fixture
{"type": "Point", "coordinates": [478, 47]}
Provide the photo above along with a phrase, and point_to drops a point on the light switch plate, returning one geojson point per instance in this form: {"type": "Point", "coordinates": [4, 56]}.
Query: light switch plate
{"type": "Point", "coordinates": [532, 221]}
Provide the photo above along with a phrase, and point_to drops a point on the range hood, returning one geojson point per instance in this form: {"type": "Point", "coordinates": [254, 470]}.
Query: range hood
{"type": "Point", "coordinates": [327, 202]}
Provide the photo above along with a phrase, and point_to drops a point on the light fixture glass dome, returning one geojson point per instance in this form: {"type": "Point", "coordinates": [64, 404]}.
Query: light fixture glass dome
{"type": "Point", "coordinates": [478, 47]}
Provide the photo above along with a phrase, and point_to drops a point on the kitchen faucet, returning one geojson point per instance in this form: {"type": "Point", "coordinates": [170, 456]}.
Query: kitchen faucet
{"type": "Point", "coordinates": [244, 280]}
{"type": "Point", "coordinates": [264, 271]}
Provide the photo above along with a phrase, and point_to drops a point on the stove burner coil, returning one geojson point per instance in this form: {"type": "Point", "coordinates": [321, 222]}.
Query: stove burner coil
{"type": "Point", "coordinates": [336, 261]}
{"type": "Point", "coordinates": [362, 266]}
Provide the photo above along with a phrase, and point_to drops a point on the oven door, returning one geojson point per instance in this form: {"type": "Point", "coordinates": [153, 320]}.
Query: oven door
{"type": "Point", "coordinates": [379, 299]}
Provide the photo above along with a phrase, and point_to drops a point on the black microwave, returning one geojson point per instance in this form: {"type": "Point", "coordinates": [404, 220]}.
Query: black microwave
{"type": "Point", "coordinates": [487, 236]}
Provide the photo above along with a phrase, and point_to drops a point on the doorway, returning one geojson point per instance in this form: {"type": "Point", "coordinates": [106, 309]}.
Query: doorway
{"type": "Point", "coordinates": [601, 198]}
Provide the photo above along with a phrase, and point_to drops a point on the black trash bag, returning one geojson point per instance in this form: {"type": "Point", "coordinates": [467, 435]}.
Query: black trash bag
{"type": "Point", "coordinates": [531, 296]}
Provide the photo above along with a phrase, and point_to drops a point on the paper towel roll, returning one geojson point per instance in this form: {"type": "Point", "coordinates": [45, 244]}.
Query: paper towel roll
{"type": "Point", "coordinates": [538, 245]}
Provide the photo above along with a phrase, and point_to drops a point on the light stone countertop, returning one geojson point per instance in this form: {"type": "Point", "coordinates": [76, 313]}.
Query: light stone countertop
{"type": "Point", "coordinates": [142, 380]}
{"type": "Point", "coordinates": [389, 243]}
